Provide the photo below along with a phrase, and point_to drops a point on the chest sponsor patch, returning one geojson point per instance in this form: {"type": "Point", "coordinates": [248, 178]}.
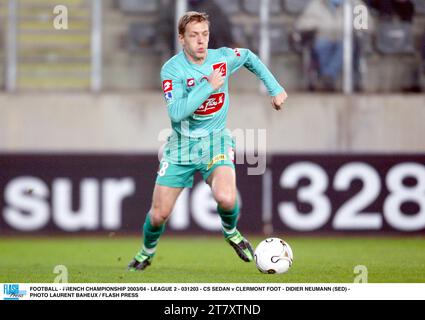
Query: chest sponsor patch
{"type": "Point", "coordinates": [213, 104]}
{"type": "Point", "coordinates": [167, 85]}
{"type": "Point", "coordinates": [222, 67]}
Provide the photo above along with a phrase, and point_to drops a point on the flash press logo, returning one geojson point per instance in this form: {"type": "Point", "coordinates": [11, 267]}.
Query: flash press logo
{"type": "Point", "coordinates": [12, 292]}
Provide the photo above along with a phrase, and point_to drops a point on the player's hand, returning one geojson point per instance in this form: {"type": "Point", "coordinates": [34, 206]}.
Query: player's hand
{"type": "Point", "coordinates": [216, 79]}
{"type": "Point", "coordinates": [277, 101]}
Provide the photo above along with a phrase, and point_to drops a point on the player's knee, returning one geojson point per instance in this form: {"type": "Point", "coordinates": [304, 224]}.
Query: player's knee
{"type": "Point", "coordinates": [158, 219]}
{"type": "Point", "coordinates": [226, 200]}
{"type": "Point", "coordinates": [159, 216]}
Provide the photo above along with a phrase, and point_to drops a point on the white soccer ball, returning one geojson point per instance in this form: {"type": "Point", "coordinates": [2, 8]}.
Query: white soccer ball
{"type": "Point", "coordinates": [273, 255]}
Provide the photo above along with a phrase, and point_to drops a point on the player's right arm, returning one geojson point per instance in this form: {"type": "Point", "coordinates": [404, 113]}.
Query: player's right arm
{"type": "Point", "coordinates": [180, 103]}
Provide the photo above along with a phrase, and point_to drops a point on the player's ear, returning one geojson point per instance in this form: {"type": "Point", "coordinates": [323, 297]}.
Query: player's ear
{"type": "Point", "coordinates": [181, 39]}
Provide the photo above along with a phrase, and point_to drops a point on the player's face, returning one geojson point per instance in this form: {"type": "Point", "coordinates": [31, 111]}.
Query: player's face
{"type": "Point", "coordinates": [195, 40]}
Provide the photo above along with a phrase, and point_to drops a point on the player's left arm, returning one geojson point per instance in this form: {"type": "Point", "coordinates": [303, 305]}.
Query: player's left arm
{"type": "Point", "coordinates": [238, 58]}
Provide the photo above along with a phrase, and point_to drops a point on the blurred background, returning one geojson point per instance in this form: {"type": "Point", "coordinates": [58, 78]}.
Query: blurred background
{"type": "Point", "coordinates": [125, 42]}
{"type": "Point", "coordinates": [82, 114]}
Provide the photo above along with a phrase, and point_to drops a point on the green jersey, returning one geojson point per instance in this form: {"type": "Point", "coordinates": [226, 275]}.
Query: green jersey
{"type": "Point", "coordinates": [195, 108]}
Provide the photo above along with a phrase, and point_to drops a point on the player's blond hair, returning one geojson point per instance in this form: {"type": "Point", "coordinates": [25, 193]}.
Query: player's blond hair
{"type": "Point", "coordinates": [192, 16]}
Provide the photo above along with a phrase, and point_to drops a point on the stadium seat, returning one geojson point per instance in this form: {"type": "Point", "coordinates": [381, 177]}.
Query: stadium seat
{"type": "Point", "coordinates": [240, 36]}
{"type": "Point", "coordinates": [419, 6]}
{"type": "Point", "coordinates": [138, 6]}
{"type": "Point", "coordinates": [295, 7]}
{"type": "Point", "coordinates": [302, 43]}
{"type": "Point", "coordinates": [365, 42]}
{"type": "Point", "coordinates": [253, 7]}
{"type": "Point", "coordinates": [142, 37]}
{"type": "Point", "coordinates": [229, 6]}
{"type": "Point", "coordinates": [279, 36]}
{"type": "Point", "coordinates": [395, 38]}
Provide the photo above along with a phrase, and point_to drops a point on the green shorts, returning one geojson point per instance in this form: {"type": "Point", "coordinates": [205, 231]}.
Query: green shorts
{"type": "Point", "coordinates": [181, 161]}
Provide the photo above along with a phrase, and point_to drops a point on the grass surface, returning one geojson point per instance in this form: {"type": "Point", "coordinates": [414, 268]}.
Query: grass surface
{"type": "Point", "coordinates": [209, 259]}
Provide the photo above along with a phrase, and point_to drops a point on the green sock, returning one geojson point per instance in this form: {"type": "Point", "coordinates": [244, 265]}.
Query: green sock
{"type": "Point", "coordinates": [229, 218]}
{"type": "Point", "coordinates": [151, 235]}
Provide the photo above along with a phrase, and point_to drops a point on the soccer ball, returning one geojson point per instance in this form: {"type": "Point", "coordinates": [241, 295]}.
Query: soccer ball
{"type": "Point", "coordinates": [273, 255]}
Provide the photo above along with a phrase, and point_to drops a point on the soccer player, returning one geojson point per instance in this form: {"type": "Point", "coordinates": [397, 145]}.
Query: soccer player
{"type": "Point", "coordinates": [195, 85]}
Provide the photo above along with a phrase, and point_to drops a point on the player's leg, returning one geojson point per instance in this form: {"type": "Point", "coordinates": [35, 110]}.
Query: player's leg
{"type": "Point", "coordinates": [222, 181]}
{"type": "Point", "coordinates": [171, 180]}
{"type": "Point", "coordinates": [163, 201]}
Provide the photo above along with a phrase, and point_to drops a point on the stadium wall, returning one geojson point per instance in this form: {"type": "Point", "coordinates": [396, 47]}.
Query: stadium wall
{"type": "Point", "coordinates": [72, 163]}
{"type": "Point", "coordinates": [113, 122]}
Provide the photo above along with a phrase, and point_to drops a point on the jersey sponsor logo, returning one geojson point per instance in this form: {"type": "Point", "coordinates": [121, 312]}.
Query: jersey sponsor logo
{"type": "Point", "coordinates": [168, 96]}
{"type": "Point", "coordinates": [217, 158]}
{"type": "Point", "coordinates": [190, 82]}
{"type": "Point", "coordinates": [167, 85]}
{"type": "Point", "coordinates": [213, 104]}
{"type": "Point", "coordinates": [222, 67]}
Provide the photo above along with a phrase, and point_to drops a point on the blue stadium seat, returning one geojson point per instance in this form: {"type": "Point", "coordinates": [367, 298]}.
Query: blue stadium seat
{"type": "Point", "coordinates": [141, 37]}
{"type": "Point", "coordinates": [138, 6]}
{"type": "Point", "coordinates": [229, 6]}
{"type": "Point", "coordinates": [279, 36]}
{"type": "Point", "coordinates": [253, 6]}
{"type": "Point", "coordinates": [395, 38]}
{"type": "Point", "coordinates": [295, 7]}
{"type": "Point", "coordinates": [419, 6]}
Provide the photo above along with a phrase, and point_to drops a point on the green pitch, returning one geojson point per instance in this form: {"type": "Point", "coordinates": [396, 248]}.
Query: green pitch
{"type": "Point", "coordinates": [209, 259]}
